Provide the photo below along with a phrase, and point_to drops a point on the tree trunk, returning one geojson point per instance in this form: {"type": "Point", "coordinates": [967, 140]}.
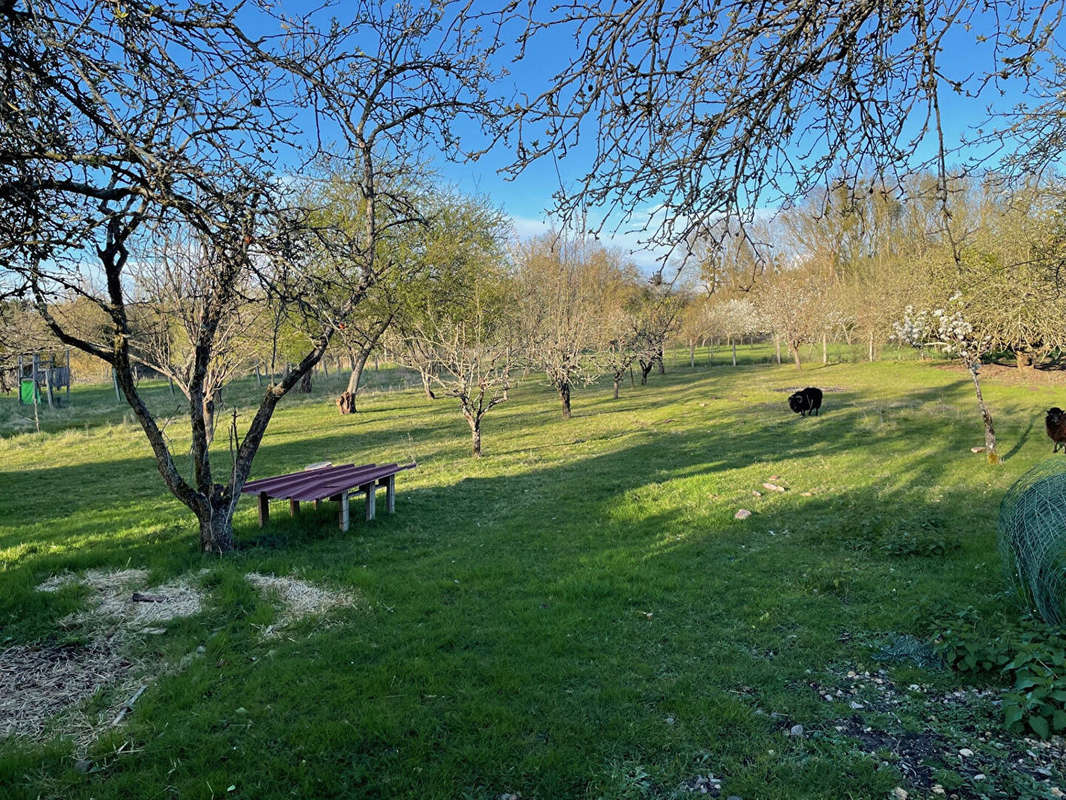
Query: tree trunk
{"type": "Point", "coordinates": [358, 365]}
{"type": "Point", "coordinates": [662, 362]}
{"type": "Point", "coordinates": [564, 396]}
{"type": "Point", "coordinates": [986, 416]}
{"type": "Point", "coordinates": [216, 522]}
{"type": "Point", "coordinates": [475, 437]}
{"type": "Point", "coordinates": [825, 348]}
{"type": "Point", "coordinates": [692, 353]}
{"type": "Point", "coordinates": [870, 345]}
{"type": "Point", "coordinates": [209, 416]}
{"type": "Point", "coordinates": [733, 342]}
{"type": "Point", "coordinates": [645, 369]}
{"type": "Point", "coordinates": [346, 402]}
{"type": "Point", "coordinates": [795, 350]}
{"type": "Point", "coordinates": [1024, 360]}
{"type": "Point", "coordinates": [777, 347]}
{"type": "Point", "coordinates": [427, 388]}
{"type": "Point", "coordinates": [617, 380]}
{"type": "Point", "coordinates": [305, 382]}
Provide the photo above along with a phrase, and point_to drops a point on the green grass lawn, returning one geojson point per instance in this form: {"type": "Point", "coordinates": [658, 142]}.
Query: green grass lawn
{"type": "Point", "coordinates": [576, 615]}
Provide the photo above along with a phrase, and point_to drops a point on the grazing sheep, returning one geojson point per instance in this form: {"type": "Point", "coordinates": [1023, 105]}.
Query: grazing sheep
{"type": "Point", "coordinates": [806, 402]}
{"type": "Point", "coordinates": [1056, 427]}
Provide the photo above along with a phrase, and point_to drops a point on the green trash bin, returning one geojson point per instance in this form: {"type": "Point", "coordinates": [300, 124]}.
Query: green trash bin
{"type": "Point", "coordinates": [28, 391]}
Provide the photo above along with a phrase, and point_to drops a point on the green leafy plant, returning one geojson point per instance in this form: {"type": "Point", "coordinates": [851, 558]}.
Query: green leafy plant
{"type": "Point", "coordinates": [1033, 657]}
{"type": "Point", "coordinates": [974, 653]}
{"type": "Point", "coordinates": [1038, 697]}
{"type": "Point", "coordinates": [919, 536]}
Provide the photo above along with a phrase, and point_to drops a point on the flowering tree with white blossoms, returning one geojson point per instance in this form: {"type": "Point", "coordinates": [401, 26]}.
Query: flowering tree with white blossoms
{"type": "Point", "coordinates": [948, 330]}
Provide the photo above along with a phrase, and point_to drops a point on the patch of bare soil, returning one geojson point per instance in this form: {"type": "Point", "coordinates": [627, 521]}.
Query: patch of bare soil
{"type": "Point", "coordinates": [793, 389]}
{"type": "Point", "coordinates": [298, 599]}
{"type": "Point", "coordinates": [1001, 373]}
{"type": "Point", "coordinates": [955, 732]}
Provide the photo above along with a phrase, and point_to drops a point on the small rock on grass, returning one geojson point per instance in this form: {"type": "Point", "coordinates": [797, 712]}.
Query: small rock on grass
{"type": "Point", "coordinates": [977, 449]}
{"type": "Point", "coordinates": [795, 730]}
{"type": "Point", "coordinates": [742, 514]}
{"type": "Point", "coordinates": [756, 493]}
{"type": "Point", "coordinates": [899, 793]}
{"type": "Point", "coordinates": [773, 487]}
{"type": "Point", "coordinates": [83, 765]}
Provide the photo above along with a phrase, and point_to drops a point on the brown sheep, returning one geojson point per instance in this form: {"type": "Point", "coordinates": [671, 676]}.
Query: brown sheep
{"type": "Point", "coordinates": [1056, 427]}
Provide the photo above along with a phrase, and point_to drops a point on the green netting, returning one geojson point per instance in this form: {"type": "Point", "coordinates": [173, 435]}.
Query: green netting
{"type": "Point", "coordinates": [907, 649]}
{"type": "Point", "coordinates": [1032, 538]}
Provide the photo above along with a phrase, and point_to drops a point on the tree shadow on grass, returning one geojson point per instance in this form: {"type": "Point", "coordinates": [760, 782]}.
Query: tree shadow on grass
{"type": "Point", "coordinates": [1019, 443]}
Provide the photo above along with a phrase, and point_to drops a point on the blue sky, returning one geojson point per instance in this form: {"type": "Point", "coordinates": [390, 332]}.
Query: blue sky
{"type": "Point", "coordinates": [528, 197]}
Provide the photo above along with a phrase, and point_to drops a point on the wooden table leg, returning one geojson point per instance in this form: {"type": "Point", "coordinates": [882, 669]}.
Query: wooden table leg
{"type": "Point", "coordinates": [370, 490]}
{"type": "Point", "coordinates": [390, 494]}
{"type": "Point", "coordinates": [343, 498]}
{"type": "Point", "coordinates": [318, 504]}
{"type": "Point", "coordinates": [264, 509]}
{"type": "Point", "coordinates": [294, 507]}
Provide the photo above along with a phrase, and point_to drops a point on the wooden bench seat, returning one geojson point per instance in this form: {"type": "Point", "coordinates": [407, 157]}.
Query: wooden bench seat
{"type": "Point", "coordinates": [328, 482]}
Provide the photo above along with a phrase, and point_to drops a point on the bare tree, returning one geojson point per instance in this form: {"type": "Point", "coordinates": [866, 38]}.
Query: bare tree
{"type": "Point", "coordinates": [561, 278]}
{"type": "Point", "coordinates": [789, 304]}
{"type": "Point", "coordinates": [471, 358]}
{"type": "Point", "coordinates": [171, 291]}
{"type": "Point", "coordinates": [713, 109]}
{"type": "Point", "coordinates": [125, 120]}
{"type": "Point", "coordinates": [457, 322]}
{"type": "Point", "coordinates": [619, 320]}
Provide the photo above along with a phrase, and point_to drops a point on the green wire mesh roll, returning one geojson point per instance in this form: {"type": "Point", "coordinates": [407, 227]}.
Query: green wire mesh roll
{"type": "Point", "coordinates": [1032, 538]}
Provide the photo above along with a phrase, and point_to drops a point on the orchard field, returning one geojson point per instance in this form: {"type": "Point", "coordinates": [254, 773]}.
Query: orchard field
{"type": "Point", "coordinates": [577, 614]}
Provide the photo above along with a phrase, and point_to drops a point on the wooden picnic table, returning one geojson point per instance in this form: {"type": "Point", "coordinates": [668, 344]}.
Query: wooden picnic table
{"type": "Point", "coordinates": [322, 482]}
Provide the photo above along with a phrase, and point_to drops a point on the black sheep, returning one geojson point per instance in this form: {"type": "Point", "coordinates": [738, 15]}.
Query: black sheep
{"type": "Point", "coordinates": [1056, 427]}
{"type": "Point", "coordinates": [806, 402]}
